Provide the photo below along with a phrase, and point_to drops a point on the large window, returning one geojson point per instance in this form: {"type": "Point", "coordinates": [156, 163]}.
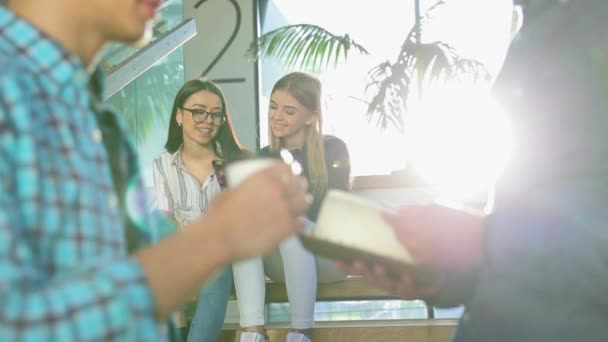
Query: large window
{"type": "Point", "coordinates": [477, 29]}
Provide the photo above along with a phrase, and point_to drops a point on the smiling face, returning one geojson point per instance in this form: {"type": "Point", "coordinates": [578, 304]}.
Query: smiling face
{"type": "Point", "coordinates": [204, 132]}
{"type": "Point", "coordinates": [289, 119]}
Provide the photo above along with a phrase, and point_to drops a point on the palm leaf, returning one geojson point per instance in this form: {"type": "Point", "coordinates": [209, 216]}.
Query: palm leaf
{"type": "Point", "coordinates": [310, 47]}
{"type": "Point", "coordinates": [330, 50]}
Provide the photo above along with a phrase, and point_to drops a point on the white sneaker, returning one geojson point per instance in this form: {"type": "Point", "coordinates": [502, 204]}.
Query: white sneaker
{"type": "Point", "coordinates": [297, 337]}
{"type": "Point", "coordinates": [252, 337]}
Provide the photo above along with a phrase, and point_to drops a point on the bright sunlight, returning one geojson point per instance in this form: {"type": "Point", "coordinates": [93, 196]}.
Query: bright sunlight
{"type": "Point", "coordinates": [459, 139]}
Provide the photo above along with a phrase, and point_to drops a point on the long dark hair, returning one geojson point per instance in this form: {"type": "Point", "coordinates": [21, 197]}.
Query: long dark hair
{"type": "Point", "coordinates": [225, 144]}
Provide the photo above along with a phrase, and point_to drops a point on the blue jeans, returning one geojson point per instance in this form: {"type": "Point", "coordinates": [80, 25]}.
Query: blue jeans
{"type": "Point", "coordinates": [211, 308]}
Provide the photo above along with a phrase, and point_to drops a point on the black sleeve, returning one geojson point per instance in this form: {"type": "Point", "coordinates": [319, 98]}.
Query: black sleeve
{"type": "Point", "coordinates": [264, 151]}
{"type": "Point", "coordinates": [338, 164]}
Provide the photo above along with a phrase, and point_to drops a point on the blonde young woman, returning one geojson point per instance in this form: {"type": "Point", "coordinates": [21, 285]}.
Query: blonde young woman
{"type": "Point", "coordinates": [295, 124]}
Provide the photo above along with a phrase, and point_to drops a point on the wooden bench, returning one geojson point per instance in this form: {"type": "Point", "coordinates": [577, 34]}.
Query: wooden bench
{"type": "Point", "coordinates": [345, 290]}
{"type": "Point", "coordinates": [351, 289]}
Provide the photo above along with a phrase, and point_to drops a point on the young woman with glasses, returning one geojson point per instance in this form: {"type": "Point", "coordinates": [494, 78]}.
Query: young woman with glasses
{"type": "Point", "coordinates": [189, 173]}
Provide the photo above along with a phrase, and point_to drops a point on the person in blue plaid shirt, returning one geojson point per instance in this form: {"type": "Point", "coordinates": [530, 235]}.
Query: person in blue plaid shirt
{"type": "Point", "coordinates": [74, 227]}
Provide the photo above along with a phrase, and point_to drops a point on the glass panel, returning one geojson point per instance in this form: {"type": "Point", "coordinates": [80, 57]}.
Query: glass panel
{"type": "Point", "coordinates": [145, 104]}
{"type": "Point", "coordinates": [449, 312]}
{"type": "Point", "coordinates": [355, 310]}
{"type": "Point", "coordinates": [343, 110]}
{"type": "Point", "coordinates": [455, 23]}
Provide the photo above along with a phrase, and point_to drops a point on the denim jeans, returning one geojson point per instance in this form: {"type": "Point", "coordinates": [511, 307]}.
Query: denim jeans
{"type": "Point", "coordinates": [211, 308]}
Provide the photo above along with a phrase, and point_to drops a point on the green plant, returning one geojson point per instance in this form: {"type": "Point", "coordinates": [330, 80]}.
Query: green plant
{"type": "Point", "coordinates": [143, 107]}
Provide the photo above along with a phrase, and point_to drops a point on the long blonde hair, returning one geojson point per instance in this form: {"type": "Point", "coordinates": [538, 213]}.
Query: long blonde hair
{"type": "Point", "coordinates": [306, 89]}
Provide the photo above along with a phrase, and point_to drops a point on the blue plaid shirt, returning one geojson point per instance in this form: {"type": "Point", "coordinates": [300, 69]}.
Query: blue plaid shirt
{"type": "Point", "coordinates": [64, 269]}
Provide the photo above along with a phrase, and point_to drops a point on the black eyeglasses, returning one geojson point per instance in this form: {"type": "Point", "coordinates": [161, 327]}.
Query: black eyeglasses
{"type": "Point", "coordinates": [201, 115]}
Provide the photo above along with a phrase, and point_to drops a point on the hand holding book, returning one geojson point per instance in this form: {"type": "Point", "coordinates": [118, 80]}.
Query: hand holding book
{"type": "Point", "coordinates": [405, 252]}
{"type": "Point", "coordinates": [439, 237]}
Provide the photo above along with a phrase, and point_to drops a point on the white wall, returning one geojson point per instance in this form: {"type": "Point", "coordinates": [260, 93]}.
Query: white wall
{"type": "Point", "coordinates": [215, 20]}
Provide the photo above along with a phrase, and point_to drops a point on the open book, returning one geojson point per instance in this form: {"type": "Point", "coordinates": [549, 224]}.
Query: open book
{"type": "Point", "coordinates": [350, 228]}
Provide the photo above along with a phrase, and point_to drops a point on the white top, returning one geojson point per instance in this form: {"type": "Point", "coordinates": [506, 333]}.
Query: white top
{"type": "Point", "coordinates": [178, 191]}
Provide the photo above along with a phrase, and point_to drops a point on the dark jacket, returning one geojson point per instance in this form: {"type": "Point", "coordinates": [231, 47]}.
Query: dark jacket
{"type": "Point", "coordinates": [545, 275]}
{"type": "Point", "coordinates": [338, 168]}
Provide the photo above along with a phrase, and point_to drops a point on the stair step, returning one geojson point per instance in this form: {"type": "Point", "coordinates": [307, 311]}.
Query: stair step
{"type": "Point", "coordinates": [436, 330]}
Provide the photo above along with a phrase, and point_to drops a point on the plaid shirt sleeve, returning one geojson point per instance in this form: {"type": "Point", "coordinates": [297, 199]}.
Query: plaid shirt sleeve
{"type": "Point", "coordinates": [105, 297]}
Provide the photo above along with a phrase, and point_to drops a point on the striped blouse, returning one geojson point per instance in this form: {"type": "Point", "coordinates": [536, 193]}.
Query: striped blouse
{"type": "Point", "coordinates": [178, 192]}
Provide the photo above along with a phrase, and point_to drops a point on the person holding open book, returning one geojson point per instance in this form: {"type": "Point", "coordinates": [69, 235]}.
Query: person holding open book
{"type": "Point", "coordinates": [535, 269]}
{"type": "Point", "coordinates": [295, 121]}
{"type": "Point", "coordinates": [188, 175]}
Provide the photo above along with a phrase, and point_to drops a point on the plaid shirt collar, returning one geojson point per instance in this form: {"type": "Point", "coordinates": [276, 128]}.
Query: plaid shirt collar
{"type": "Point", "coordinates": [45, 56]}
